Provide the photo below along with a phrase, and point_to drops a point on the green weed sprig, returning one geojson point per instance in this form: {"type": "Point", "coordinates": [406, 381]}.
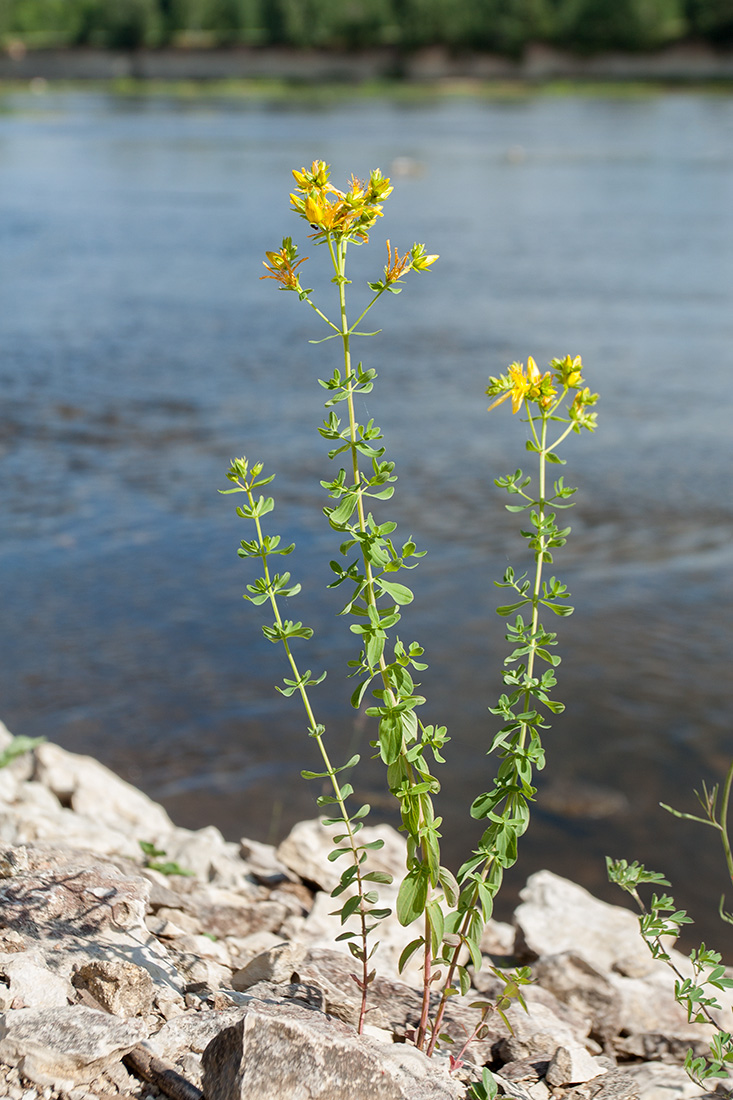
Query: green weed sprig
{"type": "Point", "coordinates": [665, 920]}
{"type": "Point", "coordinates": [708, 799]}
{"type": "Point", "coordinates": [453, 915]}
{"type": "Point", "coordinates": [697, 994]}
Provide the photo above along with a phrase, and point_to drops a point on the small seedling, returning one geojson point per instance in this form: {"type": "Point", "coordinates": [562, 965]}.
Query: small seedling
{"type": "Point", "coordinates": [153, 862]}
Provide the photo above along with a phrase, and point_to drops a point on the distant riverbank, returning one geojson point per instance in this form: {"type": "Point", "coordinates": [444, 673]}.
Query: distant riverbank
{"type": "Point", "coordinates": [686, 63]}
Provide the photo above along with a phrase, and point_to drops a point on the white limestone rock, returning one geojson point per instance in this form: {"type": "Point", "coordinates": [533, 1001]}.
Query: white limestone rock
{"type": "Point", "coordinates": [27, 982]}
{"type": "Point", "coordinates": [571, 1064]}
{"type": "Point", "coordinates": [288, 1050]}
{"type": "Point", "coordinates": [656, 1081]}
{"type": "Point", "coordinates": [558, 916]}
{"type": "Point", "coordinates": [64, 1047]}
{"type": "Point", "coordinates": [78, 909]}
{"type": "Point", "coordinates": [95, 792]}
{"type": "Point", "coordinates": [306, 848]}
{"type": "Point", "coordinates": [263, 862]}
{"type": "Point", "coordinates": [211, 858]}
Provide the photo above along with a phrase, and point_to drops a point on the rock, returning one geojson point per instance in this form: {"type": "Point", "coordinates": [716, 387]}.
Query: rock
{"type": "Point", "coordinates": [278, 964]}
{"type": "Point", "coordinates": [655, 1047]}
{"type": "Point", "coordinates": [571, 1064]}
{"type": "Point", "coordinates": [226, 913]}
{"type": "Point", "coordinates": [203, 974]}
{"type": "Point", "coordinates": [82, 909]}
{"type": "Point", "coordinates": [614, 1085]}
{"type": "Point", "coordinates": [76, 910]}
{"type": "Point", "coordinates": [557, 916]}
{"type": "Point", "coordinates": [189, 1034]}
{"type": "Point", "coordinates": [64, 1047]}
{"type": "Point", "coordinates": [654, 1081]}
{"type": "Point", "coordinates": [648, 1005]}
{"type": "Point", "coordinates": [498, 938]}
{"type": "Point", "coordinates": [120, 987]}
{"type": "Point", "coordinates": [184, 922]}
{"type": "Point", "coordinates": [161, 896]}
{"type": "Point", "coordinates": [244, 950]}
{"type": "Point", "coordinates": [21, 823]}
{"type": "Point", "coordinates": [321, 928]}
{"type": "Point", "coordinates": [278, 1051]}
{"type": "Point", "coordinates": [95, 792]}
{"type": "Point", "coordinates": [578, 984]}
{"type": "Point", "coordinates": [539, 1031]}
{"type": "Point", "coordinates": [306, 849]}
{"type": "Point", "coordinates": [30, 984]}
{"type": "Point", "coordinates": [263, 862]}
{"type": "Point", "coordinates": [516, 1089]}
{"type": "Point", "coordinates": [209, 856]}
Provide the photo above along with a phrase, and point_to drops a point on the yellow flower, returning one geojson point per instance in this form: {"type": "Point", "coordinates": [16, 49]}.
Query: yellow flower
{"type": "Point", "coordinates": [316, 177]}
{"type": "Point", "coordinates": [515, 386]}
{"type": "Point", "coordinates": [523, 385]}
{"type": "Point", "coordinates": [568, 371]}
{"type": "Point", "coordinates": [420, 260]}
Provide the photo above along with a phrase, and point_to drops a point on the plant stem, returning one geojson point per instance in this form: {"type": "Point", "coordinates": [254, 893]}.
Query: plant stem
{"type": "Point", "coordinates": [318, 737]}
{"type": "Point", "coordinates": [541, 442]}
{"type": "Point", "coordinates": [724, 820]}
{"type": "Point", "coordinates": [338, 258]}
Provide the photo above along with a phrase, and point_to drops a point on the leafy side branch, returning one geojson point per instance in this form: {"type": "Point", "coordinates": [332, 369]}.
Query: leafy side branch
{"type": "Point", "coordinates": [269, 587]}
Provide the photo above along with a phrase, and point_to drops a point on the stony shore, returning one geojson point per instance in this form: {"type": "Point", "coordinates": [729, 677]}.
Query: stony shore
{"type": "Point", "coordinates": [117, 980]}
{"type": "Point", "coordinates": [684, 62]}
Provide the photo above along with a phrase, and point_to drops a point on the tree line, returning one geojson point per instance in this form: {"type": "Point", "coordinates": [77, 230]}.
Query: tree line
{"type": "Point", "coordinates": [503, 26]}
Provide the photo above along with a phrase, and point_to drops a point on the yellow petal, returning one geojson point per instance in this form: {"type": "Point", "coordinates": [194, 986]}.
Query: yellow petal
{"type": "Point", "coordinates": [499, 400]}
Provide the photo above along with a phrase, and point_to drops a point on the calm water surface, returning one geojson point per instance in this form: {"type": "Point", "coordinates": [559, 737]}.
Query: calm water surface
{"type": "Point", "coordinates": [140, 352]}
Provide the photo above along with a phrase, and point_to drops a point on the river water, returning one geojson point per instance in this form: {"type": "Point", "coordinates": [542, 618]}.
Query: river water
{"type": "Point", "coordinates": [140, 352]}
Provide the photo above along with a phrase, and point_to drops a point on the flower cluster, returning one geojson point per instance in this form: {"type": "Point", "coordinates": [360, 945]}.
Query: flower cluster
{"type": "Point", "coordinates": [527, 384]}
{"type": "Point", "coordinates": [350, 213]}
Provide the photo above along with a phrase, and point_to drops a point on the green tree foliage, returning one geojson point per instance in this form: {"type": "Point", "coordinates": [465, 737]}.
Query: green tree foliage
{"type": "Point", "coordinates": [592, 25]}
{"type": "Point", "coordinates": [502, 26]}
{"type": "Point", "coordinates": [711, 19]}
{"type": "Point", "coordinates": [328, 23]}
{"type": "Point", "coordinates": [124, 24]}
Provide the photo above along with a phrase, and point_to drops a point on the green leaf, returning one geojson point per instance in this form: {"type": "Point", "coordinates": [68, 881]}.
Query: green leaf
{"type": "Point", "coordinates": [399, 592]}
{"type": "Point", "coordinates": [449, 884]}
{"type": "Point", "coordinates": [349, 907]}
{"type": "Point", "coordinates": [359, 692]}
{"type": "Point", "coordinates": [408, 952]}
{"type": "Point", "coordinates": [378, 876]}
{"type": "Point", "coordinates": [509, 608]}
{"type": "Point", "coordinates": [343, 511]}
{"type": "Point", "coordinates": [390, 738]}
{"type": "Point", "coordinates": [18, 747]}
{"type": "Point", "coordinates": [436, 918]}
{"type": "Point", "coordinates": [559, 608]}
{"type": "Point", "coordinates": [412, 896]}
